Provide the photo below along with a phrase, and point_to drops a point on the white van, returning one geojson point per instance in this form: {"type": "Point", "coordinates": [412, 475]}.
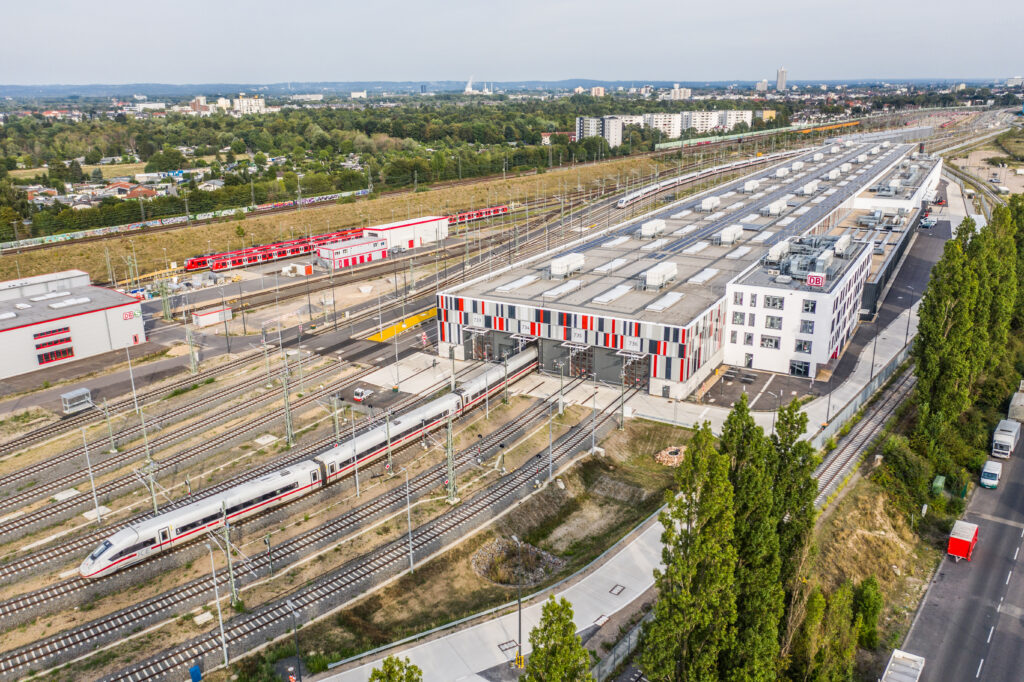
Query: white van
{"type": "Point", "coordinates": [991, 474]}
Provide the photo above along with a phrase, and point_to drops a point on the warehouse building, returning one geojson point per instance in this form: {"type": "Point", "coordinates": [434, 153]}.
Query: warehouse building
{"type": "Point", "coordinates": [410, 234]}
{"type": "Point", "coordinates": [60, 317]}
{"type": "Point", "coordinates": [351, 252]}
{"type": "Point", "coordinates": [651, 303]}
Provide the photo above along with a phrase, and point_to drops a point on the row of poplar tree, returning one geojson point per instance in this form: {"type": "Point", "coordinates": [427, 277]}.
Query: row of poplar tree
{"type": "Point", "coordinates": [734, 603]}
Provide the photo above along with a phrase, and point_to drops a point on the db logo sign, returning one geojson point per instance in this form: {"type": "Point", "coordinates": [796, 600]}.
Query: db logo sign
{"type": "Point", "coordinates": [815, 280]}
{"type": "Point", "coordinates": [128, 315]}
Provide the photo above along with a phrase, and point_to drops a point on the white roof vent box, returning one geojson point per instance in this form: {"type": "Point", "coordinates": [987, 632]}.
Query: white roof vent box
{"type": "Point", "coordinates": [563, 266]}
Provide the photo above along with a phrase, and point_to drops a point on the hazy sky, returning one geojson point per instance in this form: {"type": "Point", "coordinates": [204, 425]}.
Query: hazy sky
{"type": "Point", "coordinates": [188, 41]}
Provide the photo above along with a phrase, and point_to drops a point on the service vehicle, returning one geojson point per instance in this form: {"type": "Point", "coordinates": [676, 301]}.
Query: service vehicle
{"type": "Point", "coordinates": [903, 667]}
{"type": "Point", "coordinates": [991, 473]}
{"type": "Point", "coordinates": [1005, 438]}
{"type": "Point", "coordinates": [962, 540]}
{"type": "Point", "coordinates": [361, 394]}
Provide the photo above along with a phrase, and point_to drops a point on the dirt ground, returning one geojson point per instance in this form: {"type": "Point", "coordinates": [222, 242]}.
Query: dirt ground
{"type": "Point", "coordinates": [975, 164]}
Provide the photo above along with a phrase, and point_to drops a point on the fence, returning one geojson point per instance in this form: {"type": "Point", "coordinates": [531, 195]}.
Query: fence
{"type": "Point", "coordinates": [837, 421]}
{"type": "Point", "coordinates": [622, 649]}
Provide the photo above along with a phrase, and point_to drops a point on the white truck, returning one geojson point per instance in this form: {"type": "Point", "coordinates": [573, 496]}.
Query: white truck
{"type": "Point", "coordinates": [903, 667]}
{"type": "Point", "coordinates": [1004, 440]}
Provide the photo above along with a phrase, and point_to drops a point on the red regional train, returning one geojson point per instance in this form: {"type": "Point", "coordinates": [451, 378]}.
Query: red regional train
{"type": "Point", "coordinates": [303, 245]}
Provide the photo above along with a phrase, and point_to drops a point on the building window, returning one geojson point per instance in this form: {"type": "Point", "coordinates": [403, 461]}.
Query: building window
{"type": "Point", "coordinates": [810, 306]}
{"type": "Point", "coordinates": [53, 342]}
{"type": "Point", "coordinates": [753, 300]}
{"type": "Point", "coordinates": [799, 368]}
{"type": "Point", "coordinates": [51, 332]}
{"type": "Point", "coordinates": [737, 298]}
{"type": "Point", "coordinates": [806, 326]}
{"type": "Point", "coordinates": [751, 319]}
{"type": "Point", "coordinates": [772, 322]}
{"type": "Point", "coordinates": [55, 355]}
{"type": "Point", "coordinates": [773, 302]}
{"type": "Point", "coordinates": [738, 318]}
{"type": "Point", "coordinates": [803, 346]}
{"type": "Point", "coordinates": [772, 342]}
{"type": "Point", "coordinates": [732, 336]}
{"type": "Point", "coordinates": [748, 339]}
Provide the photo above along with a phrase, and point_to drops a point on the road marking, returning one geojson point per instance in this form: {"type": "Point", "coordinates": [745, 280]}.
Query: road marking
{"type": "Point", "coordinates": [1016, 553]}
{"type": "Point", "coordinates": [981, 663]}
{"type": "Point", "coordinates": [990, 631]}
{"type": "Point", "coordinates": [998, 519]}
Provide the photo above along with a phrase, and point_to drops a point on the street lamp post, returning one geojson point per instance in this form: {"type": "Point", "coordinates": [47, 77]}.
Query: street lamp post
{"type": "Point", "coordinates": [131, 376]}
{"type": "Point", "coordinates": [92, 483]}
{"type": "Point", "coordinates": [519, 599]}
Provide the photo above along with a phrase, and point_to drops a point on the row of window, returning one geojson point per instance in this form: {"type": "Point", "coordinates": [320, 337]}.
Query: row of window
{"type": "Point", "coordinates": [133, 549]}
{"type": "Point", "coordinates": [235, 508]}
{"type": "Point", "coordinates": [770, 322]}
{"type": "Point", "coordinates": [51, 332]}
{"type": "Point", "coordinates": [769, 342]}
{"type": "Point", "coordinates": [773, 302]}
{"type": "Point", "coordinates": [55, 355]}
{"type": "Point", "coordinates": [53, 342]}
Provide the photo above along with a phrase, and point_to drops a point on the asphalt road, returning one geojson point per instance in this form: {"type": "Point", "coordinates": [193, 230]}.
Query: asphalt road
{"type": "Point", "coordinates": [971, 624]}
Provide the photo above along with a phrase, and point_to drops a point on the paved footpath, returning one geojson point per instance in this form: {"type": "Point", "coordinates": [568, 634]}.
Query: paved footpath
{"type": "Point", "coordinates": [468, 653]}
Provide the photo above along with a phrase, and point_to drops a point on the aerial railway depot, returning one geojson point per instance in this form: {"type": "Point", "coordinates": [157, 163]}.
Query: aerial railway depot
{"type": "Point", "coordinates": [767, 272]}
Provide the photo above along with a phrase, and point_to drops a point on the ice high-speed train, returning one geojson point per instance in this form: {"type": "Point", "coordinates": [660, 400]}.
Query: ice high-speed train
{"type": "Point", "coordinates": [136, 542]}
{"type": "Point", "coordinates": [647, 191]}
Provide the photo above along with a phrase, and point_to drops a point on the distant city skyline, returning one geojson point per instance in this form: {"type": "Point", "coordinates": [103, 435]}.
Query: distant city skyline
{"type": "Point", "coordinates": [66, 42]}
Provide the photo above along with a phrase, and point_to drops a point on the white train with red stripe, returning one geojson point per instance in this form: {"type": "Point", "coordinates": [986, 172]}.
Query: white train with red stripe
{"type": "Point", "coordinates": [137, 542]}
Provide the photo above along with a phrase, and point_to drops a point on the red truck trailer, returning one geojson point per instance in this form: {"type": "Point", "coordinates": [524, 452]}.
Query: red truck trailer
{"type": "Point", "coordinates": [962, 540]}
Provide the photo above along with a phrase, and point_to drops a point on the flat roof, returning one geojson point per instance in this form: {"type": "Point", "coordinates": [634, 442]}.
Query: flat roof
{"type": "Point", "coordinates": [760, 276]}
{"type": "Point", "coordinates": [616, 257]}
{"type": "Point", "coordinates": [55, 305]}
{"type": "Point", "coordinates": [42, 279]}
{"type": "Point", "coordinates": [904, 179]}
{"type": "Point", "coordinates": [404, 223]}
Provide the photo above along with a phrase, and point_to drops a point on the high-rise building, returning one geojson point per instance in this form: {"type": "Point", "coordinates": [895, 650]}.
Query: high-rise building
{"type": "Point", "coordinates": [677, 93]}
{"type": "Point", "coordinates": [670, 125]}
{"type": "Point", "coordinates": [1014, 82]}
{"type": "Point", "coordinates": [254, 104]}
{"type": "Point", "coordinates": [608, 127]}
{"type": "Point", "coordinates": [762, 86]}
{"type": "Point", "coordinates": [780, 79]}
{"type": "Point", "coordinates": [597, 91]}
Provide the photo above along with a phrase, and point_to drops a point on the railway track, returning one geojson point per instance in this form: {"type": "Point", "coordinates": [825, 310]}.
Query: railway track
{"type": "Point", "coordinates": [249, 630]}
{"type": "Point", "coordinates": [16, 526]}
{"type": "Point", "coordinates": [86, 418]}
{"type": "Point", "coordinates": [115, 460]}
{"type": "Point", "coordinates": [830, 472]}
{"type": "Point", "coordinates": [80, 545]}
{"type": "Point", "coordinates": [143, 614]}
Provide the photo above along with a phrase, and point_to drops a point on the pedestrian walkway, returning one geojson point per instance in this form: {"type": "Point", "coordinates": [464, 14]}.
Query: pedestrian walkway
{"type": "Point", "coordinates": [464, 654]}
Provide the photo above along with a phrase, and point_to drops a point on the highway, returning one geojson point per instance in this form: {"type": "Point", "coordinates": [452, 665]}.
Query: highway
{"type": "Point", "coordinates": [971, 623]}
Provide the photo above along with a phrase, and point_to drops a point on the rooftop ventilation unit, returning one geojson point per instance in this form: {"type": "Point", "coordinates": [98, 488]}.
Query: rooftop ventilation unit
{"type": "Point", "coordinates": [704, 276]}
{"type": "Point", "coordinates": [709, 204]}
{"type": "Point", "coordinates": [818, 157]}
{"type": "Point", "coordinates": [729, 235]}
{"type": "Point", "coordinates": [777, 251]}
{"type": "Point", "coordinates": [750, 186]}
{"type": "Point", "coordinates": [652, 228]}
{"type": "Point", "coordinates": [563, 289]}
{"type": "Point", "coordinates": [660, 275]}
{"type": "Point", "coordinates": [783, 279]}
{"type": "Point", "coordinates": [611, 265]}
{"type": "Point", "coordinates": [516, 284]}
{"type": "Point", "coordinates": [564, 266]}
{"type": "Point", "coordinates": [842, 245]}
{"type": "Point", "coordinates": [798, 165]}
{"type": "Point", "coordinates": [782, 172]}
{"type": "Point", "coordinates": [665, 302]}
{"type": "Point", "coordinates": [613, 295]}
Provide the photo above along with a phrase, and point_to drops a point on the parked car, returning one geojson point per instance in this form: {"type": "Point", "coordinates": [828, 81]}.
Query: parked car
{"type": "Point", "coordinates": [991, 473]}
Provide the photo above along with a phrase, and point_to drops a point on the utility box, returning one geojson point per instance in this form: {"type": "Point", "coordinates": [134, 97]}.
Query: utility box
{"type": "Point", "coordinates": [567, 264]}
{"type": "Point", "coordinates": [652, 228]}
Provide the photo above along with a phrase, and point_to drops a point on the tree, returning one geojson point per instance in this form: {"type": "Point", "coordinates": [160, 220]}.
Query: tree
{"type": "Point", "coordinates": [942, 349]}
{"type": "Point", "coordinates": [97, 175]}
{"type": "Point", "coordinates": [93, 156]}
{"type": "Point", "coordinates": [394, 669]}
{"type": "Point", "coordinates": [794, 488]}
{"type": "Point", "coordinates": [808, 639]}
{"type": "Point", "coordinates": [753, 654]}
{"type": "Point", "coordinates": [696, 608]}
{"type": "Point", "coordinates": [558, 653]}
{"type": "Point", "coordinates": [867, 605]}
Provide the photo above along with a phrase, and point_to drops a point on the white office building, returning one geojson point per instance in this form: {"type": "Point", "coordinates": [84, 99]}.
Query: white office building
{"type": "Point", "coordinates": [780, 79]}
{"type": "Point", "coordinates": [762, 86]}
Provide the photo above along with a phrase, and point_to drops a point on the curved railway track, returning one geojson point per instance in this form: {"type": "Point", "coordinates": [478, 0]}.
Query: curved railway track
{"type": "Point", "coordinates": [112, 461]}
{"type": "Point", "coordinates": [143, 614]}
{"type": "Point", "coordinates": [88, 417]}
{"type": "Point", "coordinates": [80, 545]}
{"type": "Point", "coordinates": [831, 471]}
{"type": "Point", "coordinates": [21, 524]}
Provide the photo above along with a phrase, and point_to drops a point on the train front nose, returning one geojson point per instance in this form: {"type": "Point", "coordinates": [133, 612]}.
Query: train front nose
{"type": "Point", "coordinates": [86, 568]}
